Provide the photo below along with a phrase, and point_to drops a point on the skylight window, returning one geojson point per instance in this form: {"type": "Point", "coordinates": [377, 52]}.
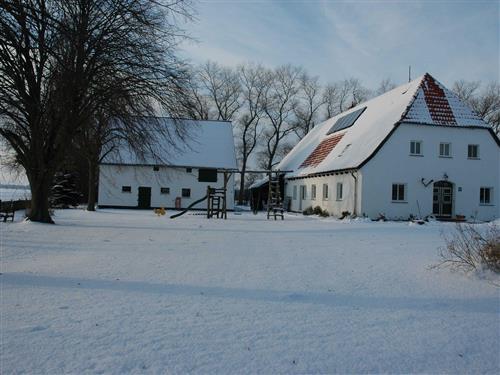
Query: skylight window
{"type": "Point", "coordinates": [346, 121]}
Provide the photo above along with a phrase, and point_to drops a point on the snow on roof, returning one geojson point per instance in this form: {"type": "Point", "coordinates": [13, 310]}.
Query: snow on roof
{"type": "Point", "coordinates": [259, 183]}
{"type": "Point", "coordinates": [422, 101]}
{"type": "Point", "coordinates": [206, 144]}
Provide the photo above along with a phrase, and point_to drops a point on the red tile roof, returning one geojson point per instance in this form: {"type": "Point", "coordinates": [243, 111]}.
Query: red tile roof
{"type": "Point", "coordinates": [437, 102]}
{"type": "Point", "coordinates": [321, 151]}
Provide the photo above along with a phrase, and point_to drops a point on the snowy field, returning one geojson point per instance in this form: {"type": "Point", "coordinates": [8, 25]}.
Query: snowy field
{"type": "Point", "coordinates": [121, 291]}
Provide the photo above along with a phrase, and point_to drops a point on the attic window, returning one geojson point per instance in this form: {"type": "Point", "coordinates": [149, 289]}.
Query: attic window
{"type": "Point", "coordinates": [346, 121]}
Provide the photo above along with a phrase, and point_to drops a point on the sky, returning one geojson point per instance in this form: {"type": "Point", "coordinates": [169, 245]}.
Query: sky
{"type": "Point", "coordinates": [369, 40]}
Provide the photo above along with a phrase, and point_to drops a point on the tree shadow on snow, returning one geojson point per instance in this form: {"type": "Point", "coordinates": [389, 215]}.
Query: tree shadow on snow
{"type": "Point", "coordinates": [471, 305]}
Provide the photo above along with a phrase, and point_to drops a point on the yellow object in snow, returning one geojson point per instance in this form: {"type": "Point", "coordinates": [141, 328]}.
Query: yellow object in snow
{"type": "Point", "coordinates": [160, 211]}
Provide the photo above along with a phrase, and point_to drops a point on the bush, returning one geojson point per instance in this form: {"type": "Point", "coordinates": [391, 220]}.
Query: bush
{"type": "Point", "coordinates": [345, 214]}
{"type": "Point", "coordinates": [470, 248]}
{"type": "Point", "coordinates": [308, 211]}
{"type": "Point", "coordinates": [317, 210]}
{"type": "Point", "coordinates": [324, 213]}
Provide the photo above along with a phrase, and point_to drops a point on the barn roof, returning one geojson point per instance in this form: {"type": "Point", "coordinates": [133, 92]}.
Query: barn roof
{"type": "Point", "coordinates": [349, 139]}
{"type": "Point", "coordinates": [200, 144]}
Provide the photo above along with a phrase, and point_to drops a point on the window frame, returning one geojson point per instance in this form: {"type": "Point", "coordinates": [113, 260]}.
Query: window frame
{"type": "Point", "coordinates": [340, 192]}
{"type": "Point", "coordinates": [413, 145]}
{"type": "Point", "coordinates": [165, 190]}
{"type": "Point", "coordinates": [476, 146]}
{"type": "Point", "coordinates": [325, 192]}
{"type": "Point", "coordinates": [186, 192]}
{"type": "Point", "coordinates": [294, 192]}
{"type": "Point", "coordinates": [313, 192]}
{"type": "Point", "coordinates": [126, 189]}
{"type": "Point", "coordinates": [482, 196]}
{"type": "Point", "coordinates": [398, 191]}
{"type": "Point", "coordinates": [441, 155]}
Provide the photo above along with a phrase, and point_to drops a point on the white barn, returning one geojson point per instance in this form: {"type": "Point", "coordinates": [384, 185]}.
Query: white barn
{"type": "Point", "coordinates": [416, 150]}
{"type": "Point", "coordinates": [183, 175]}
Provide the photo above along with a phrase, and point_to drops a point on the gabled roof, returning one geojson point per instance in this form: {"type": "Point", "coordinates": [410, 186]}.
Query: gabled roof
{"type": "Point", "coordinates": [421, 101]}
{"type": "Point", "coordinates": [204, 144]}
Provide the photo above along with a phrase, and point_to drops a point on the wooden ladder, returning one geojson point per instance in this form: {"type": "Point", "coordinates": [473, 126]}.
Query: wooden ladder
{"type": "Point", "coordinates": [274, 202]}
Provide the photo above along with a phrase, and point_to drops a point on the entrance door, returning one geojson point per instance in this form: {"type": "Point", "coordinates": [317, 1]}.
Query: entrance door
{"type": "Point", "coordinates": [144, 199]}
{"type": "Point", "coordinates": [442, 199]}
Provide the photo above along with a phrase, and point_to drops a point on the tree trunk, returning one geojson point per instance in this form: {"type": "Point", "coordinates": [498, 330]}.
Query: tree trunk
{"type": "Point", "coordinates": [92, 186]}
{"type": "Point", "coordinates": [40, 187]}
{"type": "Point", "coordinates": [241, 196]}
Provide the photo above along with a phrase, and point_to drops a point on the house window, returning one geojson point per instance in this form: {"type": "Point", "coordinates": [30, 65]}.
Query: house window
{"type": "Point", "coordinates": [416, 148]}
{"type": "Point", "coordinates": [473, 151]}
{"type": "Point", "coordinates": [303, 192]}
{"type": "Point", "coordinates": [445, 150]}
{"type": "Point", "coordinates": [126, 189]}
{"type": "Point", "coordinates": [165, 190]}
{"type": "Point", "coordinates": [207, 175]}
{"type": "Point", "coordinates": [186, 193]}
{"type": "Point", "coordinates": [325, 192]}
{"type": "Point", "coordinates": [295, 192]}
{"type": "Point", "coordinates": [156, 168]}
{"type": "Point", "coordinates": [485, 195]}
{"type": "Point", "coordinates": [313, 192]}
{"type": "Point", "coordinates": [189, 170]}
{"type": "Point", "coordinates": [398, 192]}
{"type": "Point", "coordinates": [340, 188]}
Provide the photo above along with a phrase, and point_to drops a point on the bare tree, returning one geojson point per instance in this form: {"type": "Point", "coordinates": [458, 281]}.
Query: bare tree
{"type": "Point", "coordinates": [485, 101]}
{"type": "Point", "coordinates": [223, 88]}
{"type": "Point", "coordinates": [253, 79]}
{"type": "Point", "coordinates": [310, 102]}
{"type": "Point", "coordinates": [59, 60]}
{"type": "Point", "coordinates": [342, 95]}
{"type": "Point", "coordinates": [280, 102]}
{"type": "Point", "coordinates": [385, 85]}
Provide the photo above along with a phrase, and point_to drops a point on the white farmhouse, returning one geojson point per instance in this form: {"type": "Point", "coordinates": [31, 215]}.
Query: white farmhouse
{"type": "Point", "coordinates": [415, 150]}
{"type": "Point", "coordinates": [177, 178]}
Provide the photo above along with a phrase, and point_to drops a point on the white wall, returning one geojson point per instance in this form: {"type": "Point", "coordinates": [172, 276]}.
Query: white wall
{"type": "Point", "coordinates": [393, 164]}
{"type": "Point", "coordinates": [332, 205]}
{"type": "Point", "coordinates": [112, 178]}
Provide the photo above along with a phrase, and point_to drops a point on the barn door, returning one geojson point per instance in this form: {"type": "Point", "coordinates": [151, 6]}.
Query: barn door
{"type": "Point", "coordinates": [442, 199]}
{"type": "Point", "coordinates": [144, 198]}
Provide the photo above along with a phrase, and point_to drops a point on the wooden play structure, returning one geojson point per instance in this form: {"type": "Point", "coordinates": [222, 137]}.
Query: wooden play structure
{"type": "Point", "coordinates": [217, 197]}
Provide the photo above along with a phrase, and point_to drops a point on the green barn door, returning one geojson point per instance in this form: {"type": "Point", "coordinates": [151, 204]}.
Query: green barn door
{"type": "Point", "coordinates": [144, 199]}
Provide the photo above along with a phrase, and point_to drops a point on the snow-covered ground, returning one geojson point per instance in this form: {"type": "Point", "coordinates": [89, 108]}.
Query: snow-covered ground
{"type": "Point", "coordinates": [119, 291]}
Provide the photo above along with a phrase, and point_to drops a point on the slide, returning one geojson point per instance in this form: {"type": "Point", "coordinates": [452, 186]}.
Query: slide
{"type": "Point", "coordinates": [189, 207]}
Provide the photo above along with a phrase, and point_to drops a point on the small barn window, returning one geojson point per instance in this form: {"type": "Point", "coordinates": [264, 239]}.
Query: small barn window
{"type": "Point", "coordinates": [485, 194]}
{"type": "Point", "coordinates": [416, 148]}
{"type": "Point", "coordinates": [186, 193]}
{"type": "Point", "coordinates": [295, 192]}
{"type": "Point", "coordinates": [156, 168]}
{"type": "Point", "coordinates": [165, 190]}
{"type": "Point", "coordinates": [473, 151]}
{"type": "Point", "coordinates": [189, 170]}
{"type": "Point", "coordinates": [445, 150]}
{"type": "Point", "coordinates": [313, 192]}
{"type": "Point", "coordinates": [325, 192]}
{"type": "Point", "coordinates": [126, 189]}
{"type": "Point", "coordinates": [398, 192]}
{"type": "Point", "coordinates": [340, 192]}
{"type": "Point", "coordinates": [207, 175]}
